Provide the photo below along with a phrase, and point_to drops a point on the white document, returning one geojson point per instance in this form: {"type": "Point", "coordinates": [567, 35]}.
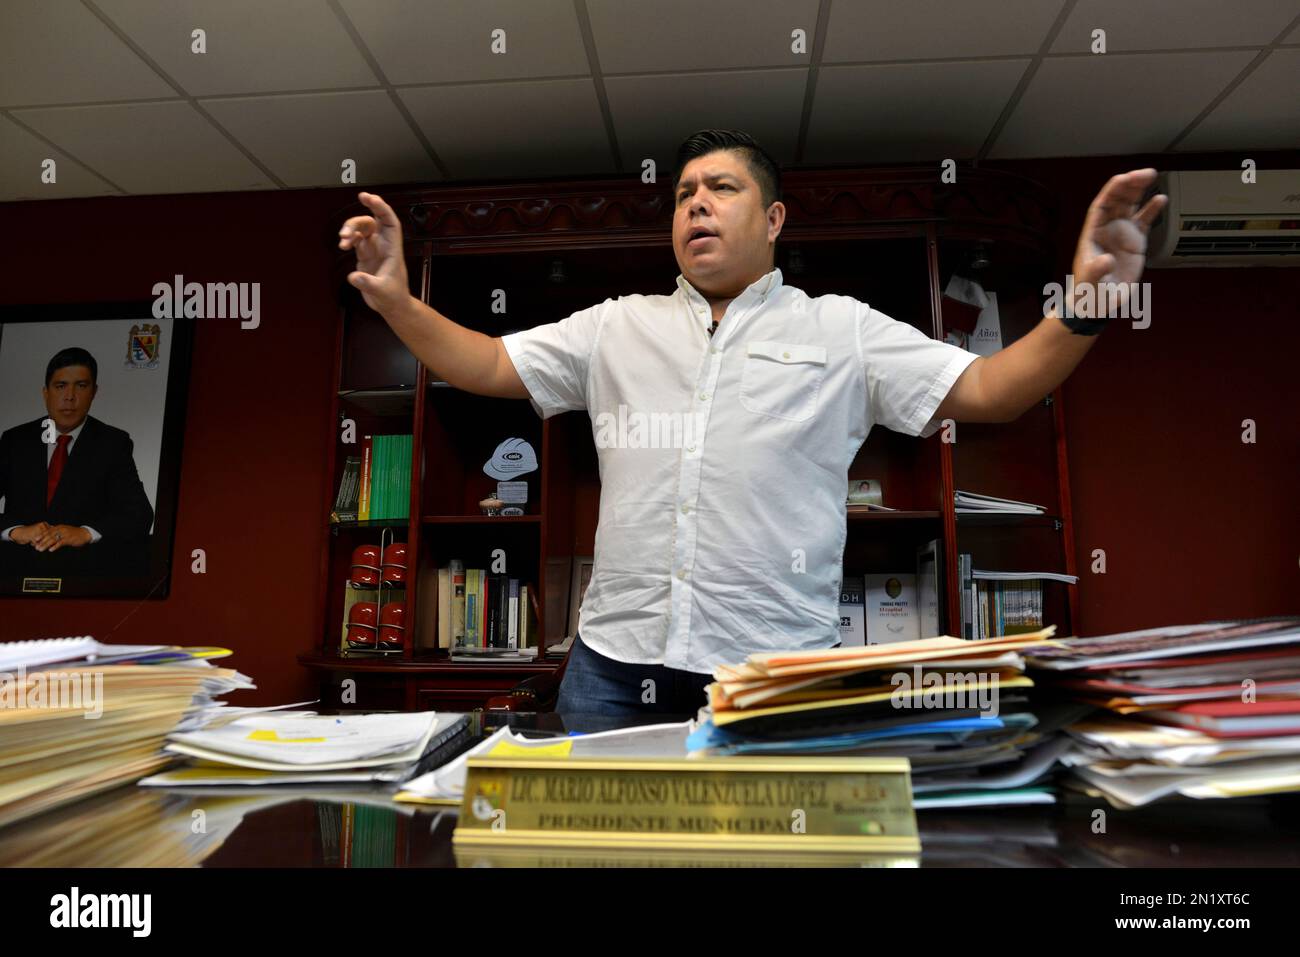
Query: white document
{"type": "Point", "coordinates": [447, 783]}
{"type": "Point", "coordinates": [299, 741]}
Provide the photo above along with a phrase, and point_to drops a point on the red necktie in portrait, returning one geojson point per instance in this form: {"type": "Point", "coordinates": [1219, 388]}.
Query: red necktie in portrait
{"type": "Point", "coordinates": [57, 461]}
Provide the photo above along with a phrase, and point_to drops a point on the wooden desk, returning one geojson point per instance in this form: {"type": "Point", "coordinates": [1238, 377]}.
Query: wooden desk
{"type": "Point", "coordinates": [261, 827]}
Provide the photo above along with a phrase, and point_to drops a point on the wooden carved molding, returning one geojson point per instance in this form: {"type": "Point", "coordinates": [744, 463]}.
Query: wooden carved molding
{"type": "Point", "coordinates": [982, 202]}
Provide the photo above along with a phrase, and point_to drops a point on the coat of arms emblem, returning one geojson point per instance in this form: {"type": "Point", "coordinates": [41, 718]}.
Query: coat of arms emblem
{"type": "Point", "coordinates": [142, 349]}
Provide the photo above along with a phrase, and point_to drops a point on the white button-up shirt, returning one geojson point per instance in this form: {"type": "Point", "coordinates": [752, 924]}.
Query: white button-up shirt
{"type": "Point", "coordinates": [724, 461]}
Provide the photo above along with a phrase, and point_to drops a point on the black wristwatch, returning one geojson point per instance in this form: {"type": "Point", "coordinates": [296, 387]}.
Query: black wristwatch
{"type": "Point", "coordinates": [1083, 327]}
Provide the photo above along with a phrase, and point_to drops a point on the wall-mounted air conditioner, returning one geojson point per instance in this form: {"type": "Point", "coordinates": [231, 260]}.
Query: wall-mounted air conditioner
{"type": "Point", "coordinates": [1214, 219]}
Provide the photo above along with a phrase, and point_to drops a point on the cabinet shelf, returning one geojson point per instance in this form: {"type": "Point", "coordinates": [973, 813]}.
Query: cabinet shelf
{"type": "Point", "coordinates": [901, 219]}
{"type": "Point", "coordinates": [481, 519]}
{"type": "Point", "coordinates": [973, 520]}
{"type": "Point", "coordinates": [859, 514]}
{"type": "Point", "coordinates": [390, 401]}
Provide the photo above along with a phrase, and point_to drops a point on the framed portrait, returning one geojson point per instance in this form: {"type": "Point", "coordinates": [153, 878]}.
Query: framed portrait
{"type": "Point", "coordinates": [582, 566]}
{"type": "Point", "coordinates": [92, 417]}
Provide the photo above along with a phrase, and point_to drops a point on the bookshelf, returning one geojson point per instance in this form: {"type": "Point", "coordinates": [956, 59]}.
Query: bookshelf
{"type": "Point", "coordinates": [890, 237]}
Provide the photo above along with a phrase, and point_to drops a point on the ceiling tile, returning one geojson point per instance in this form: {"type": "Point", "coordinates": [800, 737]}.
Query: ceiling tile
{"type": "Point", "coordinates": [304, 138]}
{"type": "Point", "coordinates": [674, 35]}
{"type": "Point", "coordinates": [1118, 103]}
{"type": "Point", "coordinates": [1173, 24]}
{"type": "Point", "coordinates": [934, 29]}
{"type": "Point", "coordinates": [653, 114]}
{"type": "Point", "coordinates": [21, 156]}
{"type": "Point", "coordinates": [492, 130]}
{"type": "Point", "coordinates": [148, 147]}
{"type": "Point", "coordinates": [416, 41]}
{"type": "Point", "coordinates": [62, 53]}
{"type": "Point", "coordinates": [1262, 113]}
{"type": "Point", "coordinates": [907, 112]}
{"type": "Point", "coordinates": [252, 46]}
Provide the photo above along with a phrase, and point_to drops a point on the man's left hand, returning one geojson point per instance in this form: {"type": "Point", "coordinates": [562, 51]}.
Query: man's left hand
{"type": "Point", "coordinates": [59, 536]}
{"type": "Point", "coordinates": [1113, 243]}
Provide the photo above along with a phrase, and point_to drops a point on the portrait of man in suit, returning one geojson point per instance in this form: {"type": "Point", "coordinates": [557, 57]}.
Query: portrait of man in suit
{"type": "Point", "coordinates": [73, 499]}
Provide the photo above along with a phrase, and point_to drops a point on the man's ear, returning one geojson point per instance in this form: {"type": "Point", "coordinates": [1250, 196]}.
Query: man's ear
{"type": "Point", "coordinates": [775, 220]}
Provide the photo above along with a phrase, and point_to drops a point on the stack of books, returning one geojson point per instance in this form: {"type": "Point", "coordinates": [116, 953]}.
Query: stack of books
{"type": "Point", "coordinates": [1203, 711]}
{"type": "Point", "coordinates": [493, 617]}
{"type": "Point", "coordinates": [996, 603]}
{"type": "Point", "coordinates": [375, 485]}
{"type": "Point", "coordinates": [958, 711]}
{"type": "Point", "coordinates": [78, 717]}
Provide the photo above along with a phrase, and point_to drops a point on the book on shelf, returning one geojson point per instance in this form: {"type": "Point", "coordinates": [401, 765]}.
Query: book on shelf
{"type": "Point", "coordinates": [853, 627]}
{"type": "Point", "coordinates": [927, 588]}
{"type": "Point", "coordinates": [480, 610]}
{"type": "Point", "coordinates": [345, 502]}
{"type": "Point", "coordinates": [996, 603]}
{"type": "Point", "coordinates": [891, 609]}
{"type": "Point", "coordinates": [376, 485]}
{"type": "Point", "coordinates": [363, 503]}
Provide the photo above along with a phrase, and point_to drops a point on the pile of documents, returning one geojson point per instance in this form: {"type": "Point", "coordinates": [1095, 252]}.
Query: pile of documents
{"type": "Point", "coordinates": [956, 709]}
{"type": "Point", "coordinates": [78, 717]}
{"type": "Point", "coordinates": [1205, 711]}
{"type": "Point", "coordinates": [977, 504]}
{"type": "Point", "coordinates": [446, 784]}
{"type": "Point", "coordinates": [299, 747]}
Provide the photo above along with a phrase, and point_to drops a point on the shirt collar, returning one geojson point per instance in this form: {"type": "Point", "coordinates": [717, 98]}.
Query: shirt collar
{"type": "Point", "coordinates": [761, 288]}
{"type": "Point", "coordinates": [74, 433]}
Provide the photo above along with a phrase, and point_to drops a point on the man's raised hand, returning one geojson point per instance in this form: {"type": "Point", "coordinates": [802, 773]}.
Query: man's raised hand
{"type": "Point", "coordinates": [1113, 242]}
{"type": "Point", "coordinates": [381, 270]}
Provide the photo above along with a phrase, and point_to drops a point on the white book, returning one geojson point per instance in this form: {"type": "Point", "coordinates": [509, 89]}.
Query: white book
{"type": "Point", "coordinates": [853, 624]}
{"type": "Point", "coordinates": [891, 610]}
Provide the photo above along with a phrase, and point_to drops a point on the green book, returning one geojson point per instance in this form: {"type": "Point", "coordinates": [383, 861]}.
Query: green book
{"type": "Point", "coordinates": [405, 510]}
{"type": "Point", "coordinates": [376, 474]}
{"type": "Point", "coordinates": [385, 490]}
{"type": "Point", "coordinates": [381, 477]}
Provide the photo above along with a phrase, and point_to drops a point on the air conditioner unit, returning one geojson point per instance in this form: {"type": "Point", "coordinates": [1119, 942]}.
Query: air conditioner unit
{"type": "Point", "coordinates": [1214, 219]}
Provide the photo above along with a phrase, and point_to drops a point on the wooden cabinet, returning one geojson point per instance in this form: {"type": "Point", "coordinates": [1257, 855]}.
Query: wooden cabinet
{"type": "Point", "coordinates": [501, 258]}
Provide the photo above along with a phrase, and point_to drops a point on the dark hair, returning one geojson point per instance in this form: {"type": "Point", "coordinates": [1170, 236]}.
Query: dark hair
{"type": "Point", "coordinates": [72, 356]}
{"type": "Point", "coordinates": [761, 166]}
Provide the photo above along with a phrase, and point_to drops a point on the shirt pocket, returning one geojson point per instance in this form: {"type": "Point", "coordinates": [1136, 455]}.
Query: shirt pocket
{"type": "Point", "coordinates": [782, 379]}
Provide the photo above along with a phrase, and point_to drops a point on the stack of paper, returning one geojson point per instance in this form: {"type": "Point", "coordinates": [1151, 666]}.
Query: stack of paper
{"type": "Point", "coordinates": [78, 717]}
{"type": "Point", "coordinates": [956, 709]}
{"type": "Point", "coordinates": [305, 748]}
{"type": "Point", "coordinates": [446, 784]}
{"type": "Point", "coordinates": [1210, 710]}
{"type": "Point", "coordinates": [973, 502]}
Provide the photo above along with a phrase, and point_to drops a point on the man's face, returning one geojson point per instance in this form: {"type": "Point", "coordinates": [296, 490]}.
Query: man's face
{"type": "Point", "coordinates": [68, 396]}
{"type": "Point", "coordinates": [718, 194]}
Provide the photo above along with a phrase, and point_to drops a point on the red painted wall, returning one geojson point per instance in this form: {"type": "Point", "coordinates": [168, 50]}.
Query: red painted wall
{"type": "Point", "coordinates": [1194, 523]}
{"type": "Point", "coordinates": [252, 476]}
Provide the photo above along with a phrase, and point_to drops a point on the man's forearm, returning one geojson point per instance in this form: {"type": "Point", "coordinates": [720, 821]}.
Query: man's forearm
{"type": "Point", "coordinates": [1020, 375]}
{"type": "Point", "coordinates": [462, 357]}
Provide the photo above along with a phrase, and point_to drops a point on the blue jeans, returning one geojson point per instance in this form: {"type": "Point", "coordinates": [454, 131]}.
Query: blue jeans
{"type": "Point", "coordinates": [594, 684]}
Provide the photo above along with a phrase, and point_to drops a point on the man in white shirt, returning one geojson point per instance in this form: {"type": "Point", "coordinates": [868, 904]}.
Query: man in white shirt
{"type": "Point", "coordinates": [726, 416]}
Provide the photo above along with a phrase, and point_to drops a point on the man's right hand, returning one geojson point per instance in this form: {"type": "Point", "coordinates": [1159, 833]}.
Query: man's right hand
{"type": "Point", "coordinates": [381, 270]}
{"type": "Point", "coordinates": [27, 534]}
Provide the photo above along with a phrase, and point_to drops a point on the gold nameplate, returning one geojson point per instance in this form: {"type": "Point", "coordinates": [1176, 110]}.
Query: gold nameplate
{"type": "Point", "coordinates": [50, 585]}
{"type": "Point", "coordinates": [742, 802]}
